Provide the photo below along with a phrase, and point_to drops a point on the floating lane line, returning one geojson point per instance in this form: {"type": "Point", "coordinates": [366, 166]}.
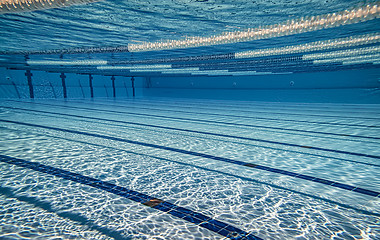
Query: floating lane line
{"type": "Point", "coordinates": [222, 159]}
{"type": "Point", "coordinates": [198, 219]}
{"type": "Point", "coordinates": [161, 127]}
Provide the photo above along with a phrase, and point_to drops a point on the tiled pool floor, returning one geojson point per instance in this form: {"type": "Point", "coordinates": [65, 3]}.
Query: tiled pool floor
{"type": "Point", "coordinates": [161, 168]}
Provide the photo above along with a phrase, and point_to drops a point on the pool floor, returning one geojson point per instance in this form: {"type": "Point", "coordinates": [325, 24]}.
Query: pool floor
{"type": "Point", "coordinates": [165, 168]}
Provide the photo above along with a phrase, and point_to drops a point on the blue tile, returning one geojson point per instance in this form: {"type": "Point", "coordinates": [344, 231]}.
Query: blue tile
{"type": "Point", "coordinates": [118, 188]}
{"type": "Point", "coordinates": [305, 177]}
{"type": "Point", "coordinates": [343, 186]}
{"type": "Point", "coordinates": [108, 185]}
{"type": "Point", "coordinates": [324, 181]}
{"type": "Point", "coordinates": [169, 205]}
{"type": "Point", "coordinates": [218, 223]}
{"type": "Point", "coordinates": [177, 214]}
{"type": "Point", "coordinates": [291, 174]}
{"type": "Point", "coordinates": [367, 192]}
{"type": "Point", "coordinates": [194, 214]}
{"type": "Point", "coordinates": [163, 208]}
{"type": "Point", "coordinates": [136, 199]}
{"type": "Point", "coordinates": [114, 191]}
{"type": "Point", "coordinates": [231, 228]}
{"type": "Point", "coordinates": [264, 168]}
{"type": "Point", "coordinates": [275, 170]}
{"type": "Point", "coordinates": [192, 219]}
{"type": "Point", "coordinates": [210, 226]}
{"type": "Point", "coordinates": [124, 194]}
{"type": "Point", "coordinates": [143, 196]}
{"type": "Point", "coordinates": [201, 217]}
{"type": "Point", "coordinates": [224, 232]}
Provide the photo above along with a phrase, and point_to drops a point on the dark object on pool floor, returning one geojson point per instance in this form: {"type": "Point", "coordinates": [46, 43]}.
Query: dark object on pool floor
{"type": "Point", "coordinates": [153, 202]}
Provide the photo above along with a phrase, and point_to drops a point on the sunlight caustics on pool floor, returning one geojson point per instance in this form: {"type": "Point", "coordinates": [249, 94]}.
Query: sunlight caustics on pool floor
{"type": "Point", "coordinates": [162, 168]}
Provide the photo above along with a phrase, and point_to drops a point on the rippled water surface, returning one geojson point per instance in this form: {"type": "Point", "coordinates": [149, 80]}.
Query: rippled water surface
{"type": "Point", "coordinates": [120, 22]}
{"type": "Point", "coordinates": [177, 151]}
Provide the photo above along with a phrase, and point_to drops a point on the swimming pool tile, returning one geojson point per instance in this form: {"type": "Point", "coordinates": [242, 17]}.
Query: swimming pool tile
{"type": "Point", "coordinates": [237, 234]}
{"type": "Point", "coordinates": [343, 186]}
{"type": "Point", "coordinates": [212, 227]}
{"type": "Point", "coordinates": [168, 205]}
{"type": "Point", "coordinates": [324, 181]}
{"type": "Point", "coordinates": [291, 174]}
{"type": "Point", "coordinates": [218, 223]}
{"type": "Point", "coordinates": [136, 199]}
{"type": "Point", "coordinates": [179, 214]}
{"type": "Point", "coordinates": [365, 191]}
{"type": "Point", "coordinates": [192, 219]}
{"type": "Point", "coordinates": [250, 165]}
{"type": "Point", "coordinates": [142, 196]}
{"type": "Point", "coordinates": [306, 177]}
{"type": "Point", "coordinates": [276, 170]}
{"type": "Point", "coordinates": [162, 207]}
{"type": "Point", "coordinates": [269, 169]}
{"type": "Point", "coordinates": [189, 152]}
{"type": "Point", "coordinates": [194, 214]}
{"type": "Point", "coordinates": [124, 194]}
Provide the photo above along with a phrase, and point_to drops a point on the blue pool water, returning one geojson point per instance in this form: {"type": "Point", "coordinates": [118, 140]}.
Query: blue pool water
{"type": "Point", "coordinates": [189, 119]}
{"type": "Point", "coordinates": [164, 168]}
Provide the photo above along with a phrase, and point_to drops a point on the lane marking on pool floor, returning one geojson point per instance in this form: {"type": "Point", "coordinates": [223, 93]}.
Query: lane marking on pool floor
{"type": "Point", "coordinates": [221, 115]}
{"type": "Point", "coordinates": [196, 218]}
{"type": "Point", "coordinates": [48, 136]}
{"type": "Point", "coordinates": [207, 121]}
{"type": "Point", "coordinates": [251, 139]}
{"type": "Point", "coordinates": [231, 108]}
{"type": "Point", "coordinates": [216, 106]}
{"type": "Point", "coordinates": [222, 159]}
{"type": "Point", "coordinates": [167, 128]}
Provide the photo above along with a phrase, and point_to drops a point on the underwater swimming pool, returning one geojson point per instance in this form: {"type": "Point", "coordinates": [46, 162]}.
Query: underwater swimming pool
{"type": "Point", "coordinates": [189, 119]}
{"type": "Point", "coordinates": [172, 168]}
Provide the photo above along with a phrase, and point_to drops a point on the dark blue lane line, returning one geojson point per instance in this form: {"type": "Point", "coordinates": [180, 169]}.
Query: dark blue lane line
{"type": "Point", "coordinates": [224, 173]}
{"type": "Point", "coordinates": [196, 218]}
{"type": "Point", "coordinates": [170, 128]}
{"type": "Point", "coordinates": [225, 135]}
{"type": "Point", "coordinates": [212, 121]}
{"type": "Point", "coordinates": [222, 159]}
{"type": "Point", "coordinates": [209, 121]}
{"type": "Point", "coordinates": [232, 108]}
{"type": "Point", "coordinates": [250, 104]}
{"type": "Point", "coordinates": [228, 115]}
{"type": "Point", "coordinates": [75, 217]}
{"type": "Point", "coordinates": [362, 211]}
{"type": "Point", "coordinates": [236, 124]}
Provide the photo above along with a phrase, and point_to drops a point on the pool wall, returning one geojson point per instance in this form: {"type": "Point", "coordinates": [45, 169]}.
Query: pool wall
{"type": "Point", "coordinates": [14, 84]}
{"type": "Point", "coordinates": [349, 86]}
{"type": "Point", "coordinates": [353, 86]}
